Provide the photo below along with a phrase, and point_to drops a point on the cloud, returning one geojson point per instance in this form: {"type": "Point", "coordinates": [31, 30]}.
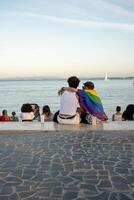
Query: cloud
{"type": "Point", "coordinates": [113, 7]}
{"type": "Point", "coordinates": [76, 22]}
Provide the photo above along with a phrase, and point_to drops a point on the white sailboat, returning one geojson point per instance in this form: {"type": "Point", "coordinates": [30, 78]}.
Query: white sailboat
{"type": "Point", "coordinates": [106, 77]}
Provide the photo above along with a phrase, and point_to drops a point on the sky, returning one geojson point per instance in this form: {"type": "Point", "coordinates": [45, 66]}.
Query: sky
{"type": "Point", "coordinates": [86, 38]}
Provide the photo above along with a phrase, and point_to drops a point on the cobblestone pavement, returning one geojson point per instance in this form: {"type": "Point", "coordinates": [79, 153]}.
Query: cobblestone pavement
{"type": "Point", "coordinates": [78, 166]}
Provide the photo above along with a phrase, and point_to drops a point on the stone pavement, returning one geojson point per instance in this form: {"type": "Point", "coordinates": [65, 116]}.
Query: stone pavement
{"type": "Point", "coordinates": [92, 165]}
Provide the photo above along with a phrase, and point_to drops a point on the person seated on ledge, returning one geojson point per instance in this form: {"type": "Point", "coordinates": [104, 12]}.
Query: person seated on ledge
{"type": "Point", "coordinates": [14, 118]}
{"type": "Point", "coordinates": [118, 115]}
{"type": "Point", "coordinates": [128, 114]}
{"type": "Point", "coordinates": [90, 103]}
{"type": "Point", "coordinates": [4, 117]}
{"type": "Point", "coordinates": [36, 111]}
{"type": "Point", "coordinates": [47, 115]}
{"type": "Point", "coordinates": [27, 113]}
{"type": "Point", "coordinates": [68, 112]}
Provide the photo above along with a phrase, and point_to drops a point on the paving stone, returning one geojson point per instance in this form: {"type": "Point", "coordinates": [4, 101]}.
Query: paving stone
{"type": "Point", "coordinates": [6, 190]}
{"type": "Point", "coordinates": [35, 198]}
{"type": "Point", "coordinates": [98, 167]}
{"type": "Point", "coordinates": [50, 184]}
{"type": "Point", "coordinates": [26, 194]}
{"type": "Point", "coordinates": [121, 170]}
{"type": "Point", "coordinates": [17, 173]}
{"type": "Point", "coordinates": [132, 171]}
{"type": "Point", "coordinates": [43, 193]}
{"type": "Point", "coordinates": [55, 173]}
{"type": "Point", "coordinates": [113, 196]}
{"type": "Point", "coordinates": [92, 181]}
{"type": "Point", "coordinates": [119, 179]}
{"type": "Point", "coordinates": [102, 196]}
{"type": "Point", "coordinates": [130, 178]}
{"type": "Point", "coordinates": [64, 172]}
{"type": "Point", "coordinates": [13, 179]}
{"type": "Point", "coordinates": [120, 187]}
{"type": "Point", "coordinates": [103, 172]}
{"type": "Point", "coordinates": [125, 197]}
{"type": "Point", "coordinates": [65, 179]}
{"type": "Point", "coordinates": [88, 187]}
{"type": "Point", "coordinates": [57, 191]}
{"type": "Point", "coordinates": [2, 182]}
{"type": "Point", "coordinates": [70, 195]}
{"type": "Point", "coordinates": [4, 197]}
{"type": "Point", "coordinates": [104, 184]}
{"type": "Point", "coordinates": [14, 197]}
{"type": "Point", "coordinates": [38, 178]}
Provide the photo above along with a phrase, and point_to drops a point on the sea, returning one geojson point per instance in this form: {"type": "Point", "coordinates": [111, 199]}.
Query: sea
{"type": "Point", "coordinates": [13, 93]}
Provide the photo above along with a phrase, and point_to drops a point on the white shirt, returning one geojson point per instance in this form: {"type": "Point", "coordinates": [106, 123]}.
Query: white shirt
{"type": "Point", "coordinates": [45, 118]}
{"type": "Point", "coordinates": [27, 116]}
{"type": "Point", "coordinates": [117, 117]}
{"type": "Point", "coordinates": [68, 103]}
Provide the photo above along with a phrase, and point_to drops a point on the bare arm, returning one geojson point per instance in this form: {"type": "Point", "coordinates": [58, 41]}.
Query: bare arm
{"type": "Point", "coordinates": [63, 89]}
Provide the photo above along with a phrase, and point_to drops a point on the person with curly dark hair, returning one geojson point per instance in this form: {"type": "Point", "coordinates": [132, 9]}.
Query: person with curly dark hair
{"type": "Point", "coordinates": [27, 113]}
{"type": "Point", "coordinates": [128, 114]}
{"type": "Point", "coordinates": [69, 104]}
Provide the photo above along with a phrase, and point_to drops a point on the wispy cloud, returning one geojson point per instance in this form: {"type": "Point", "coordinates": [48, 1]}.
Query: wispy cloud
{"type": "Point", "coordinates": [109, 6]}
{"type": "Point", "coordinates": [68, 21]}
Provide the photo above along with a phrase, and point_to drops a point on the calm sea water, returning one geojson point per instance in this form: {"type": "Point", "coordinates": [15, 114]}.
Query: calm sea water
{"type": "Point", "coordinates": [14, 93]}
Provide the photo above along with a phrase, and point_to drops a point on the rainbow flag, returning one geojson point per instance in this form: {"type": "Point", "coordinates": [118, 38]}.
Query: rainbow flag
{"type": "Point", "coordinates": [91, 102]}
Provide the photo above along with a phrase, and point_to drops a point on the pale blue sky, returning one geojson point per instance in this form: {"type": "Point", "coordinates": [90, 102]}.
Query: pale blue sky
{"type": "Point", "coordinates": [66, 37]}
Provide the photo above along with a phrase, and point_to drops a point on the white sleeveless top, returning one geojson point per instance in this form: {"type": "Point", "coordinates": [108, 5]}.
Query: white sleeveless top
{"type": "Point", "coordinates": [117, 117]}
{"type": "Point", "coordinates": [27, 116]}
{"type": "Point", "coordinates": [69, 103]}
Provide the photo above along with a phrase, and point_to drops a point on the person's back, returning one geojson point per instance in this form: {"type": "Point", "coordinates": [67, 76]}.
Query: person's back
{"type": "Point", "coordinates": [35, 109]}
{"type": "Point", "coordinates": [4, 117]}
{"type": "Point", "coordinates": [27, 113]}
{"type": "Point", "coordinates": [46, 115]}
{"type": "Point", "coordinates": [118, 115]}
{"type": "Point", "coordinates": [14, 118]}
{"type": "Point", "coordinates": [69, 103]}
{"type": "Point", "coordinates": [128, 114]}
{"type": "Point", "coordinates": [91, 102]}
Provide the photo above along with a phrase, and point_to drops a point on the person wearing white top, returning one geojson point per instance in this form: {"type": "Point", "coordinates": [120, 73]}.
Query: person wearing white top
{"type": "Point", "coordinates": [69, 104]}
{"type": "Point", "coordinates": [29, 116]}
{"type": "Point", "coordinates": [46, 115]}
{"type": "Point", "coordinates": [118, 115]}
{"type": "Point", "coordinates": [27, 113]}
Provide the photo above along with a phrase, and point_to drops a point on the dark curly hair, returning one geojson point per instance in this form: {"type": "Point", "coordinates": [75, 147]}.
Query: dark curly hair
{"type": "Point", "coordinates": [46, 109]}
{"type": "Point", "coordinates": [128, 114]}
{"type": "Point", "coordinates": [26, 108]}
{"type": "Point", "coordinates": [73, 81]}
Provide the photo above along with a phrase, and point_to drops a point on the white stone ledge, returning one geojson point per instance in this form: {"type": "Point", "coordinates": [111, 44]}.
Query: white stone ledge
{"type": "Point", "coordinates": [51, 126]}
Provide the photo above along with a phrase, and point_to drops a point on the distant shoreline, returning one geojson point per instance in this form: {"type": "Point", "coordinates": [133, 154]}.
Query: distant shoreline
{"type": "Point", "coordinates": [59, 78]}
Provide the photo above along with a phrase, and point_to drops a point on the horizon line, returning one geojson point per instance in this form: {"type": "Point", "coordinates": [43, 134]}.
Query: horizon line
{"type": "Point", "coordinates": [62, 78]}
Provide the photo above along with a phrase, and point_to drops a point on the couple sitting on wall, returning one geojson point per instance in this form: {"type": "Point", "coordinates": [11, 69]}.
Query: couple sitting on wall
{"type": "Point", "coordinates": [79, 105]}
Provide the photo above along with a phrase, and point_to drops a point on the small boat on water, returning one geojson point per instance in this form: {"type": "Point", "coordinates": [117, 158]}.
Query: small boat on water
{"type": "Point", "coordinates": [106, 77]}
